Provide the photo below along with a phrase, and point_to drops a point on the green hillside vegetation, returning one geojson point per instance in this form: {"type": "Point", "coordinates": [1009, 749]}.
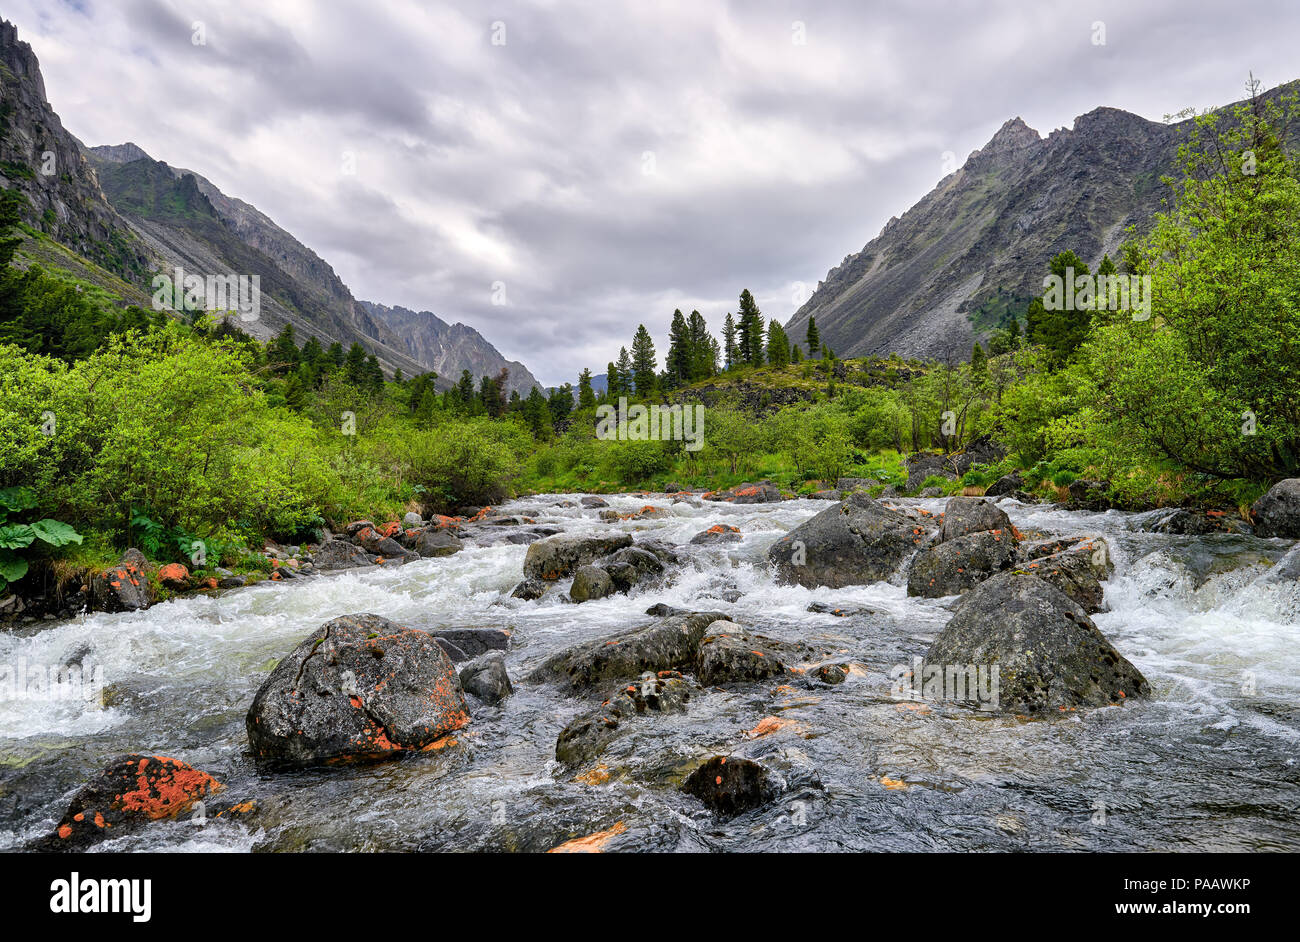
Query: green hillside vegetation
{"type": "Point", "coordinates": [138, 429]}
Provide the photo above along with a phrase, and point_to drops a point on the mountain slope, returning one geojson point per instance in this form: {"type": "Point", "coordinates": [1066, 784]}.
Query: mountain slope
{"type": "Point", "coordinates": [130, 216]}
{"type": "Point", "coordinates": [449, 348]}
{"type": "Point", "coordinates": [977, 246]}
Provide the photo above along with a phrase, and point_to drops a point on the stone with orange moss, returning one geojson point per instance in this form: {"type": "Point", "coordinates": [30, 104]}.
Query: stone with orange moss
{"type": "Point", "coordinates": [718, 533]}
{"type": "Point", "coordinates": [173, 576]}
{"type": "Point", "coordinates": [358, 688]}
{"type": "Point", "coordinates": [729, 653]}
{"type": "Point", "coordinates": [123, 588]}
{"type": "Point", "coordinates": [131, 792]}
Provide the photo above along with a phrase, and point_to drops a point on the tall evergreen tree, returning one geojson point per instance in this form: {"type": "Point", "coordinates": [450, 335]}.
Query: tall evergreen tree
{"type": "Point", "coordinates": [624, 367]}
{"type": "Point", "coordinates": [643, 361]}
{"type": "Point", "coordinates": [730, 351]}
{"type": "Point", "coordinates": [586, 395]}
{"type": "Point", "coordinates": [812, 338]}
{"type": "Point", "coordinates": [778, 344]}
{"type": "Point", "coordinates": [678, 362]}
{"type": "Point", "coordinates": [979, 364]}
{"type": "Point", "coordinates": [703, 359]}
{"type": "Point", "coordinates": [751, 330]}
{"type": "Point", "coordinates": [354, 367]}
{"type": "Point", "coordinates": [282, 353]}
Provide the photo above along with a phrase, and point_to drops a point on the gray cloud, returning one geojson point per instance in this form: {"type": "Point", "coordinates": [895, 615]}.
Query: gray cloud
{"type": "Point", "coordinates": [525, 163]}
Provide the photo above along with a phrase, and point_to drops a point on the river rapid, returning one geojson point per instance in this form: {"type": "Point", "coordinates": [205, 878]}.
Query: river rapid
{"type": "Point", "coordinates": [1209, 763]}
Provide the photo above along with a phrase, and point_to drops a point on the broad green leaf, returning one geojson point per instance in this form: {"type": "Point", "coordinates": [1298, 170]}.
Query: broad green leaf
{"type": "Point", "coordinates": [12, 567]}
{"type": "Point", "coordinates": [55, 532]}
{"type": "Point", "coordinates": [17, 498]}
{"type": "Point", "coordinates": [17, 536]}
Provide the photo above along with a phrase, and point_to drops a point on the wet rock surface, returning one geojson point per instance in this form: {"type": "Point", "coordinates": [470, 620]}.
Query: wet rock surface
{"type": "Point", "coordinates": [360, 687]}
{"type": "Point", "coordinates": [856, 542]}
{"type": "Point", "coordinates": [1046, 650]}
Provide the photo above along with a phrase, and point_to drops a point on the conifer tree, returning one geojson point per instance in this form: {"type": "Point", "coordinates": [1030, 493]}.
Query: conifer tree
{"type": "Point", "coordinates": [812, 338]}
{"type": "Point", "coordinates": [586, 395]}
{"type": "Point", "coordinates": [678, 362]}
{"type": "Point", "coordinates": [730, 352]}
{"type": "Point", "coordinates": [778, 344]}
{"type": "Point", "coordinates": [643, 361]}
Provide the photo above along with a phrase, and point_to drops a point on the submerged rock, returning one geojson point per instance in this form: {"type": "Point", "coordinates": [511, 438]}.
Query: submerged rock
{"type": "Point", "coordinates": [731, 785]}
{"type": "Point", "coordinates": [728, 653]}
{"type": "Point", "coordinates": [530, 590]}
{"type": "Point", "coordinates": [1046, 652]}
{"type": "Point", "coordinates": [652, 694]}
{"type": "Point", "coordinates": [359, 687]}
{"type": "Point", "coordinates": [858, 541]}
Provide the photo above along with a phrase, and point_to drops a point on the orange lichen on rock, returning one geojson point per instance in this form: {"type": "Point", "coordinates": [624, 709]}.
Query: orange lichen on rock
{"type": "Point", "coordinates": [592, 843]}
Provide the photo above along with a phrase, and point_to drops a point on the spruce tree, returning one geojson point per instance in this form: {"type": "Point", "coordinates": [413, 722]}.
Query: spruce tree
{"type": "Point", "coordinates": [586, 395]}
{"type": "Point", "coordinates": [751, 330]}
{"type": "Point", "coordinates": [979, 364]}
{"type": "Point", "coordinates": [703, 358]}
{"type": "Point", "coordinates": [812, 338]}
{"type": "Point", "coordinates": [624, 367]}
{"type": "Point", "coordinates": [282, 353]}
{"type": "Point", "coordinates": [730, 352]}
{"type": "Point", "coordinates": [643, 361]}
{"type": "Point", "coordinates": [778, 344]}
{"type": "Point", "coordinates": [678, 361]}
{"type": "Point", "coordinates": [354, 367]}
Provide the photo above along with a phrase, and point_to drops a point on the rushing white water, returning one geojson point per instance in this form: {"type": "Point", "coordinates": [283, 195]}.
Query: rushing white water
{"type": "Point", "coordinates": [1208, 763]}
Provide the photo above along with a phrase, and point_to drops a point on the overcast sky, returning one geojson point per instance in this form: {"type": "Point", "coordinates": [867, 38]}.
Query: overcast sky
{"type": "Point", "coordinates": [606, 162]}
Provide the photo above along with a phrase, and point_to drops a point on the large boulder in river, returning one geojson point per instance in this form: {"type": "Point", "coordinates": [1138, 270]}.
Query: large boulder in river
{"type": "Point", "coordinates": [964, 515]}
{"type": "Point", "coordinates": [359, 687]}
{"type": "Point", "coordinates": [631, 565]}
{"type": "Point", "coordinates": [559, 556]}
{"type": "Point", "coordinates": [857, 541]}
{"type": "Point", "coordinates": [958, 565]}
{"type": "Point", "coordinates": [669, 644]}
{"type": "Point", "coordinates": [1277, 513]}
{"type": "Point", "coordinates": [1045, 651]}
{"type": "Point", "coordinates": [132, 791]}
{"type": "Point", "coordinates": [1074, 565]}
